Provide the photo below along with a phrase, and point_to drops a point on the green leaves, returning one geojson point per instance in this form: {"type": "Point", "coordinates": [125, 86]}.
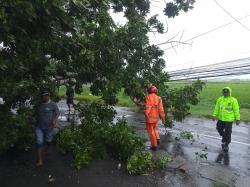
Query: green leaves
{"type": "Point", "coordinates": [179, 100]}
{"type": "Point", "coordinates": [143, 163]}
{"type": "Point", "coordinates": [140, 163]}
{"type": "Point", "coordinates": [201, 155]}
{"type": "Point", "coordinates": [45, 43]}
{"type": "Point", "coordinates": [154, 23]}
{"type": "Point", "coordinates": [97, 137]}
{"type": "Point", "coordinates": [173, 8]}
{"type": "Point", "coordinates": [187, 135]}
{"type": "Point", "coordinates": [16, 132]}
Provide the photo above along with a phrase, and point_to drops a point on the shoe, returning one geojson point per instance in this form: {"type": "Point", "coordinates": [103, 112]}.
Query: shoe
{"type": "Point", "coordinates": [158, 141]}
{"type": "Point", "coordinates": [153, 148]}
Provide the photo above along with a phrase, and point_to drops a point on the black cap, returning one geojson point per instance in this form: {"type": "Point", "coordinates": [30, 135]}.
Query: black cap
{"type": "Point", "coordinates": [45, 93]}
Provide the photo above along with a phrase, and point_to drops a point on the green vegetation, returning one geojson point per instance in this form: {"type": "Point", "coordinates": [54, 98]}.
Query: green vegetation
{"type": "Point", "coordinates": [212, 91]}
{"type": "Point", "coordinates": [47, 44]}
{"type": "Point", "coordinates": [201, 155]}
{"type": "Point", "coordinates": [208, 96]}
{"type": "Point", "coordinates": [187, 135]}
{"type": "Point", "coordinates": [86, 95]}
{"type": "Point", "coordinates": [141, 163]}
{"type": "Point", "coordinates": [16, 131]}
{"type": "Point", "coordinates": [98, 137]}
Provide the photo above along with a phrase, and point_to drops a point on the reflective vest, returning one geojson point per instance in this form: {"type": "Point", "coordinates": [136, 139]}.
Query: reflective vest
{"type": "Point", "coordinates": [227, 108]}
{"type": "Point", "coordinates": [154, 108]}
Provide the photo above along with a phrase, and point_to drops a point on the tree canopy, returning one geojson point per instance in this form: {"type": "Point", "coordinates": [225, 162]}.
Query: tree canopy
{"type": "Point", "coordinates": [46, 41]}
{"type": "Point", "coordinates": [49, 40]}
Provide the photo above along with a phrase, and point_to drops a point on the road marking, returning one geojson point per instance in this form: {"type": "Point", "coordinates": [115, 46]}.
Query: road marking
{"type": "Point", "coordinates": [242, 143]}
{"type": "Point", "coordinates": [212, 137]}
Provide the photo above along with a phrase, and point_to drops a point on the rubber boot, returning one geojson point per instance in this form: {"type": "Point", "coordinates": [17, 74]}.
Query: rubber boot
{"type": "Point", "coordinates": [158, 141]}
{"type": "Point", "coordinates": [153, 148]}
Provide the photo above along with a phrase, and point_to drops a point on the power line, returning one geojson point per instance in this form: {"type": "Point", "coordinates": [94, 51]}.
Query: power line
{"type": "Point", "coordinates": [219, 64]}
{"type": "Point", "coordinates": [228, 13]}
{"type": "Point", "coordinates": [217, 73]}
{"type": "Point", "coordinates": [234, 67]}
{"type": "Point", "coordinates": [202, 34]}
{"type": "Point", "coordinates": [200, 60]}
{"type": "Point", "coordinates": [213, 72]}
{"type": "Point", "coordinates": [247, 72]}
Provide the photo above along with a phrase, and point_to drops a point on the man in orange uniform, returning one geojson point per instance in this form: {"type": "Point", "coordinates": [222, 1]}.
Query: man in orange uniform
{"type": "Point", "coordinates": [154, 110]}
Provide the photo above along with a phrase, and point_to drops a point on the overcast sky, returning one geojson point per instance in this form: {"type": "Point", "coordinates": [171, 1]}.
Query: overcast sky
{"type": "Point", "coordinates": [227, 43]}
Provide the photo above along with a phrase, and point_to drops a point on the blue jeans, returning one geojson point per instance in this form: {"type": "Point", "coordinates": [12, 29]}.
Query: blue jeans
{"type": "Point", "coordinates": [43, 135]}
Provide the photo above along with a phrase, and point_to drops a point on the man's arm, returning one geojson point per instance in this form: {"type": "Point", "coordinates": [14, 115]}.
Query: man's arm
{"type": "Point", "coordinates": [56, 114]}
{"type": "Point", "coordinates": [236, 110]}
{"type": "Point", "coordinates": [216, 111]}
{"type": "Point", "coordinates": [161, 112]}
{"type": "Point", "coordinates": [148, 106]}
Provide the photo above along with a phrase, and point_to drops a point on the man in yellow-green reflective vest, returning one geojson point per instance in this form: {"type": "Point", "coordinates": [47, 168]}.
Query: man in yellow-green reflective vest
{"type": "Point", "coordinates": [226, 111]}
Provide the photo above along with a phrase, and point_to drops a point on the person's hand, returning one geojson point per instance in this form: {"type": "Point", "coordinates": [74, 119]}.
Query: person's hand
{"type": "Point", "coordinates": [54, 122]}
{"type": "Point", "coordinates": [237, 122]}
{"type": "Point", "coordinates": [163, 122]}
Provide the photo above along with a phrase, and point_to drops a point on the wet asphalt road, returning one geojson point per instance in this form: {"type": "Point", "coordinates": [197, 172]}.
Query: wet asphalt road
{"type": "Point", "coordinates": [232, 169]}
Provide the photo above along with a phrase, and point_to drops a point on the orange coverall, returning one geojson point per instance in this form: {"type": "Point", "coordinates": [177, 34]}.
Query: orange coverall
{"type": "Point", "coordinates": [154, 110]}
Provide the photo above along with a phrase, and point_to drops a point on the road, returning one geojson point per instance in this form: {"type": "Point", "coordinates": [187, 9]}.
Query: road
{"type": "Point", "coordinates": [232, 168]}
{"type": "Point", "coordinates": [220, 169]}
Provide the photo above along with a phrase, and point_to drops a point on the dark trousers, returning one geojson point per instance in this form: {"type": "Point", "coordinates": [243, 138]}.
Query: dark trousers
{"type": "Point", "coordinates": [225, 130]}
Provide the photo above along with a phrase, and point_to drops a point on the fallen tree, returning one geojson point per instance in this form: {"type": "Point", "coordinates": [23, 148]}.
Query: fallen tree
{"type": "Point", "coordinates": [44, 42]}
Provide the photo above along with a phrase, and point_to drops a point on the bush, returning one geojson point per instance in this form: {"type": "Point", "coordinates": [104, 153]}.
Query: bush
{"type": "Point", "coordinates": [83, 155]}
{"type": "Point", "coordinates": [98, 137]}
{"type": "Point", "coordinates": [140, 163]}
{"type": "Point", "coordinates": [15, 130]}
{"type": "Point", "coordinates": [161, 162]}
{"type": "Point", "coordinates": [8, 132]}
{"type": "Point", "coordinates": [122, 141]}
{"type": "Point", "coordinates": [87, 143]}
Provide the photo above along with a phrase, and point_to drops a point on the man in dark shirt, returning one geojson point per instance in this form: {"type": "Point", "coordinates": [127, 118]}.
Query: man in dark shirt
{"type": "Point", "coordinates": [47, 114]}
{"type": "Point", "coordinates": [70, 96]}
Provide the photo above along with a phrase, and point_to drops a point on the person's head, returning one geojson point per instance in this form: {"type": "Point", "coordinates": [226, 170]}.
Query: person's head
{"type": "Point", "coordinates": [226, 91]}
{"type": "Point", "coordinates": [152, 89]}
{"type": "Point", "coordinates": [45, 96]}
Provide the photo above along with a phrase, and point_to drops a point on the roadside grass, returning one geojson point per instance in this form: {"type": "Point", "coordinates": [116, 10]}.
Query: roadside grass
{"type": "Point", "coordinates": [208, 96]}
{"type": "Point", "coordinates": [212, 91]}
{"type": "Point", "coordinates": [86, 95]}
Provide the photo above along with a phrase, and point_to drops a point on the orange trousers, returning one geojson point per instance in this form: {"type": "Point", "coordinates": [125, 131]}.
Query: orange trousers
{"type": "Point", "coordinates": [153, 133]}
